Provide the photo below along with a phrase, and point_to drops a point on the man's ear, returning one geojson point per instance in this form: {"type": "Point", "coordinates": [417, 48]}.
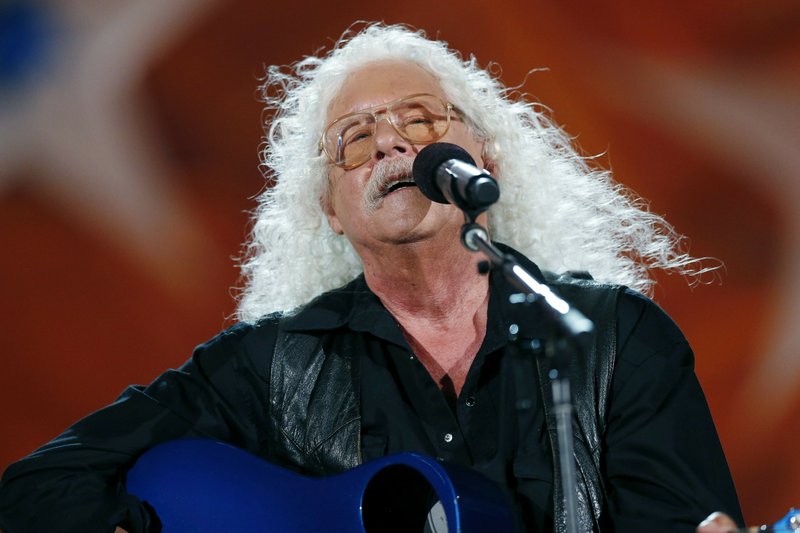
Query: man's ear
{"type": "Point", "coordinates": [487, 159]}
{"type": "Point", "coordinates": [490, 167]}
{"type": "Point", "coordinates": [326, 202]}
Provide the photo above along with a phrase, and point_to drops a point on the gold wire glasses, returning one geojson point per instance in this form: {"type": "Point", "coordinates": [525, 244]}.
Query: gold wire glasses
{"type": "Point", "coordinates": [419, 118]}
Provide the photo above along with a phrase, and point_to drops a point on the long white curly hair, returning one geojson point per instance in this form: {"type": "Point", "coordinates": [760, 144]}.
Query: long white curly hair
{"type": "Point", "coordinates": [554, 207]}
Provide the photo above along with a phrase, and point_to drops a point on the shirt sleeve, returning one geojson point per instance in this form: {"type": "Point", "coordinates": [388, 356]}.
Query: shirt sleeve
{"type": "Point", "coordinates": [664, 462]}
{"type": "Point", "coordinates": [76, 482]}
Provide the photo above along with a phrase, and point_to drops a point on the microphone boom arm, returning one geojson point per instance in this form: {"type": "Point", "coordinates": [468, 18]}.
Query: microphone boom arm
{"type": "Point", "coordinates": [572, 323]}
{"type": "Point", "coordinates": [569, 333]}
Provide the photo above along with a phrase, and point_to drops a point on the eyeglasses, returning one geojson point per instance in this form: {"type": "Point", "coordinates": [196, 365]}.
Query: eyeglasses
{"type": "Point", "coordinates": [420, 119]}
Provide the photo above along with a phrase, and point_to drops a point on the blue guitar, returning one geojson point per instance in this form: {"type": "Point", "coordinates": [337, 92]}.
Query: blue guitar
{"type": "Point", "coordinates": [199, 486]}
{"type": "Point", "coordinates": [788, 524]}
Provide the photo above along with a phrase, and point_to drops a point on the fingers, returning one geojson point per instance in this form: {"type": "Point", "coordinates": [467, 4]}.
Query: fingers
{"type": "Point", "coordinates": [717, 523]}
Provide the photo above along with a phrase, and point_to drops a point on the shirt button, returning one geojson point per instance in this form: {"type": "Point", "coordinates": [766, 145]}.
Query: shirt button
{"type": "Point", "coordinates": [470, 401]}
{"type": "Point", "coordinates": [448, 437]}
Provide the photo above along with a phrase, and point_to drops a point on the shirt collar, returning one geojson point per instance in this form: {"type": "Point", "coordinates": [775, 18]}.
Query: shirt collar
{"type": "Point", "coordinates": [357, 307]}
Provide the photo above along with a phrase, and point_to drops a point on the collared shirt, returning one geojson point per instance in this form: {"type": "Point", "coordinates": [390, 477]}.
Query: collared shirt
{"type": "Point", "coordinates": [403, 409]}
{"type": "Point", "coordinates": [663, 463]}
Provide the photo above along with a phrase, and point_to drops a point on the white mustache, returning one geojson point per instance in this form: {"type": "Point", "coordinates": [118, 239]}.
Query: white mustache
{"type": "Point", "coordinates": [386, 173]}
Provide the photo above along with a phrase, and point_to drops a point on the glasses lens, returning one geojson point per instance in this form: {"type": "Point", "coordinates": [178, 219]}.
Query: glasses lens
{"type": "Point", "coordinates": [350, 139]}
{"type": "Point", "coordinates": [421, 119]}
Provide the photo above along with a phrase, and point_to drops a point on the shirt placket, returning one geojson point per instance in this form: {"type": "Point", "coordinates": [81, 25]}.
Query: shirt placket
{"type": "Point", "coordinates": [440, 424]}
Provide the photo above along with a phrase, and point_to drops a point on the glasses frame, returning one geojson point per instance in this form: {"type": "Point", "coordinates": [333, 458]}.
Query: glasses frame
{"type": "Point", "coordinates": [378, 112]}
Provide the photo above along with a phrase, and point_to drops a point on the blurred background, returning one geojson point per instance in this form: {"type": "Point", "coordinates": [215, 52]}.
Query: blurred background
{"type": "Point", "coordinates": [129, 132]}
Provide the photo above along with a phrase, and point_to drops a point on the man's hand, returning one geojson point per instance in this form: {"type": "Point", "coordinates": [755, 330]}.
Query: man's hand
{"type": "Point", "coordinates": [717, 523]}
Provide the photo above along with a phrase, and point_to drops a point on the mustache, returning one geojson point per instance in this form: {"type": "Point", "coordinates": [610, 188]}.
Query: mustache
{"type": "Point", "coordinates": [386, 173]}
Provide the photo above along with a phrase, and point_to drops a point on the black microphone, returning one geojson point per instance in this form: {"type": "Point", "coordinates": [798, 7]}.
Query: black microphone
{"type": "Point", "coordinates": [447, 174]}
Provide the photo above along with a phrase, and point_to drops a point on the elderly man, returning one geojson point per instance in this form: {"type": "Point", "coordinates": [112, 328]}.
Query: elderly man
{"type": "Point", "coordinates": [410, 352]}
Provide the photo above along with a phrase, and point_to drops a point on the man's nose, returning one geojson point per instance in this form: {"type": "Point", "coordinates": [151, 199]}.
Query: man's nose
{"type": "Point", "coordinates": [388, 141]}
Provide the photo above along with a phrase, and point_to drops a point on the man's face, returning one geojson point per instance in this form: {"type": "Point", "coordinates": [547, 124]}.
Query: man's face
{"type": "Point", "coordinates": [358, 203]}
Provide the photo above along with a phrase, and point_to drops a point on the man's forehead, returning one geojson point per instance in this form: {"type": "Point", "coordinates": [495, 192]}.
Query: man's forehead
{"type": "Point", "coordinates": [381, 82]}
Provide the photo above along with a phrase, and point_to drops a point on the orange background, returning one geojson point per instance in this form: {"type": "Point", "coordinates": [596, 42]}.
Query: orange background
{"type": "Point", "coordinates": [121, 208]}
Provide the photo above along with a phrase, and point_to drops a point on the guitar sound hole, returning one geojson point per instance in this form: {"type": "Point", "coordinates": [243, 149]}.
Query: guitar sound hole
{"type": "Point", "coordinates": [400, 499]}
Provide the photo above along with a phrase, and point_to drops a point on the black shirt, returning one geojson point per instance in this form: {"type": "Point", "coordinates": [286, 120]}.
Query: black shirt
{"type": "Point", "coordinates": [663, 464]}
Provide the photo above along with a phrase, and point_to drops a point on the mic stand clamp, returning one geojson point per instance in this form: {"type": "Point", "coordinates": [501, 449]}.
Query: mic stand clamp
{"type": "Point", "coordinates": [552, 329]}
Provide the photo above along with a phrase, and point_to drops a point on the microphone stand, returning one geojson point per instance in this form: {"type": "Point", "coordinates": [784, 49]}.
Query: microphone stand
{"type": "Point", "coordinates": [567, 331]}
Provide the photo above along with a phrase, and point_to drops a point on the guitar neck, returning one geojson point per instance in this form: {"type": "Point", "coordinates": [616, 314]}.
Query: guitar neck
{"type": "Point", "coordinates": [788, 524]}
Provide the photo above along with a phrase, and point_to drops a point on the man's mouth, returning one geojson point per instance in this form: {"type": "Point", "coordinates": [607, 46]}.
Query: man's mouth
{"type": "Point", "coordinates": [402, 184]}
{"type": "Point", "coordinates": [389, 175]}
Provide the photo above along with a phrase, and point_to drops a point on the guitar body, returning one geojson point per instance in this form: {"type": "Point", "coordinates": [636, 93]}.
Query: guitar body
{"type": "Point", "coordinates": [204, 486]}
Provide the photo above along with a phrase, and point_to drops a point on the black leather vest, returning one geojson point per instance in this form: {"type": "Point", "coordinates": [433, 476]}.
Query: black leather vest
{"type": "Point", "coordinates": [316, 418]}
{"type": "Point", "coordinates": [590, 382]}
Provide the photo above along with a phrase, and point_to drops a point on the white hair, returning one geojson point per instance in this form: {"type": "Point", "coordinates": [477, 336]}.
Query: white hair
{"type": "Point", "coordinates": [554, 207]}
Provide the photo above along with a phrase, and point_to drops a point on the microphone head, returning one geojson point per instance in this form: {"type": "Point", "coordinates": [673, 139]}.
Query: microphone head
{"type": "Point", "coordinates": [428, 161]}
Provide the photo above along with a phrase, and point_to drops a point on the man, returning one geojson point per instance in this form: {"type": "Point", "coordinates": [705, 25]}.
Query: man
{"type": "Point", "coordinates": [411, 352]}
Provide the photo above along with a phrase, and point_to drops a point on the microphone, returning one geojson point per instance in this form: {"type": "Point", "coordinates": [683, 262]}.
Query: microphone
{"type": "Point", "coordinates": [447, 174]}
